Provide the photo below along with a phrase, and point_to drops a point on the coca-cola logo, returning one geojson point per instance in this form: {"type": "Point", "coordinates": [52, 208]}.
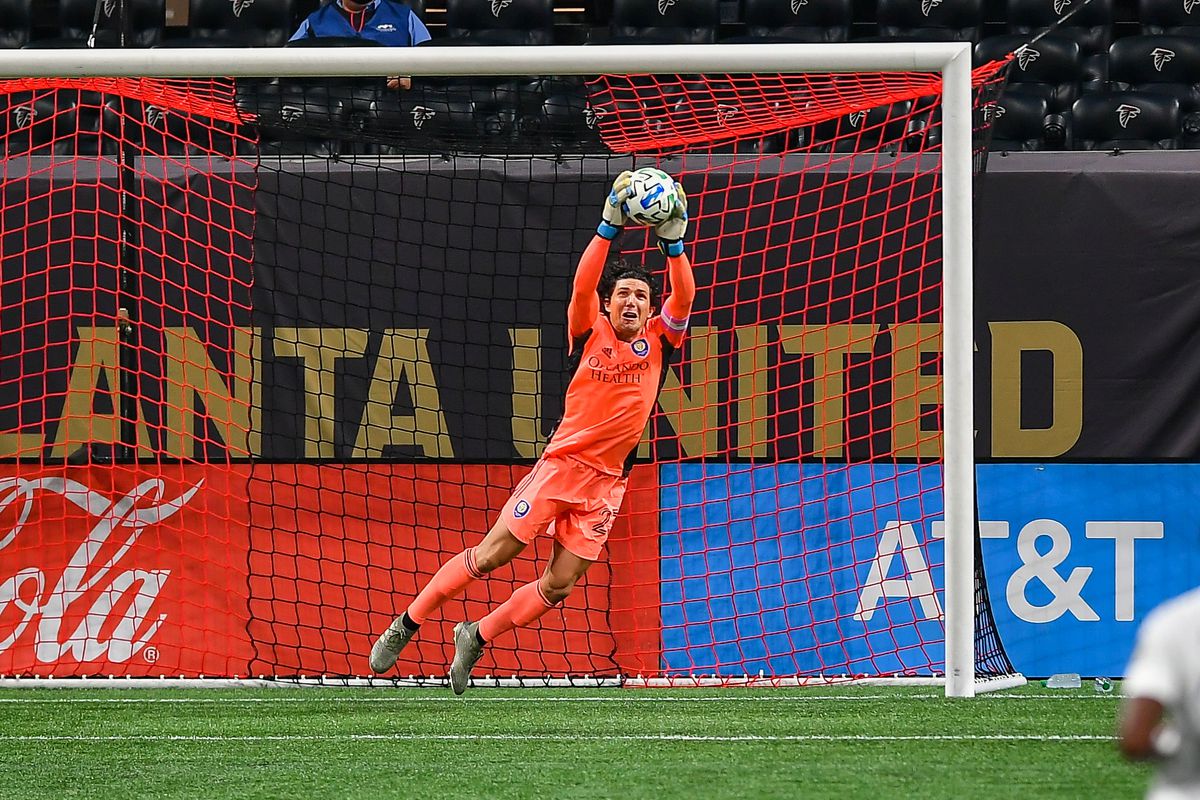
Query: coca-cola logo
{"type": "Point", "coordinates": [94, 573]}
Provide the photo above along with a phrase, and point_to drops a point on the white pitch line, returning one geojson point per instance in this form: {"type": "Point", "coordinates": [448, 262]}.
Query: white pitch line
{"type": "Point", "coordinates": [665, 737]}
{"type": "Point", "coordinates": [400, 698]}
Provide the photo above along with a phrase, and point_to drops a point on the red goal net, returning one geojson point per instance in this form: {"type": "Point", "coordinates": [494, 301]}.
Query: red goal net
{"type": "Point", "coordinates": [272, 352]}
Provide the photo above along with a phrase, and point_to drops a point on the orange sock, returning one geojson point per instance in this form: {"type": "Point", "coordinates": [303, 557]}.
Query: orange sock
{"type": "Point", "coordinates": [455, 575]}
{"type": "Point", "coordinates": [526, 604]}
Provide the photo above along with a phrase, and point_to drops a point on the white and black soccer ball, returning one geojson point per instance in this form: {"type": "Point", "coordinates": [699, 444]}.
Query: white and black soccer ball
{"type": "Point", "coordinates": [652, 196]}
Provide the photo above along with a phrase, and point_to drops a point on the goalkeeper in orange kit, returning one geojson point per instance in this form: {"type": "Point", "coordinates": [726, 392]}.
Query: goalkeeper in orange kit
{"type": "Point", "coordinates": [620, 342]}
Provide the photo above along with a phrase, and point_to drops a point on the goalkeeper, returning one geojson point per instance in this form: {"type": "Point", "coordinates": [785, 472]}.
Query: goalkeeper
{"type": "Point", "coordinates": [619, 350]}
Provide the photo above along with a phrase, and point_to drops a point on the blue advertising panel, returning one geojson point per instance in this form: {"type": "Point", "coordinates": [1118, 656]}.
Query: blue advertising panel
{"type": "Point", "coordinates": [818, 569]}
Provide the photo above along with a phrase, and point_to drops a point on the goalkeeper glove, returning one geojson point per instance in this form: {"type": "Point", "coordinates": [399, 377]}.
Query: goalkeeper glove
{"type": "Point", "coordinates": [612, 213]}
{"type": "Point", "coordinates": [670, 232]}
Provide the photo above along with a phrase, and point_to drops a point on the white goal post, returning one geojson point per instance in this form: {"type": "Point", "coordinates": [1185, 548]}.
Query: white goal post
{"type": "Point", "coordinates": [951, 60]}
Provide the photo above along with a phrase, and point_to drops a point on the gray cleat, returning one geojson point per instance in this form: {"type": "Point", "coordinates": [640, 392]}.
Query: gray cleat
{"type": "Point", "coordinates": [389, 644]}
{"type": "Point", "coordinates": [467, 652]}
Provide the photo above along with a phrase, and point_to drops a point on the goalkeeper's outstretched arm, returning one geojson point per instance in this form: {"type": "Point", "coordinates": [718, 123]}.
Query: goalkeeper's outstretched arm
{"type": "Point", "coordinates": [683, 283]}
{"type": "Point", "coordinates": [585, 303]}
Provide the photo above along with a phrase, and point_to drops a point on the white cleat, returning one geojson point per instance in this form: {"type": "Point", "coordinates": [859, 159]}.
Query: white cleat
{"type": "Point", "coordinates": [388, 646]}
{"type": "Point", "coordinates": [467, 652]}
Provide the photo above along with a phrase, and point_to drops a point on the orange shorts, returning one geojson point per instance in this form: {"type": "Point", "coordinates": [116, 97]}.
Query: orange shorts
{"type": "Point", "coordinates": [580, 501]}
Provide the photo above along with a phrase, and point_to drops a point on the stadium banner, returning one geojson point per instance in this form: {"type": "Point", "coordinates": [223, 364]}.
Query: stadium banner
{"type": "Point", "coordinates": [193, 570]}
{"type": "Point", "coordinates": [130, 571]}
{"type": "Point", "coordinates": [424, 316]}
{"type": "Point", "coordinates": [1075, 556]}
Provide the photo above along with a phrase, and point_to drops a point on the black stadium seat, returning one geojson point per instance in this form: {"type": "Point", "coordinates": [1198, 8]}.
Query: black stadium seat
{"type": "Point", "coordinates": [1164, 65]}
{"type": "Point", "coordinates": [146, 21]}
{"type": "Point", "coordinates": [1169, 16]}
{"type": "Point", "coordinates": [795, 21]}
{"type": "Point", "coordinates": [1050, 67]}
{"type": "Point", "coordinates": [664, 21]}
{"type": "Point", "coordinates": [237, 23]}
{"type": "Point", "coordinates": [503, 22]}
{"type": "Point", "coordinates": [930, 20]}
{"type": "Point", "coordinates": [1018, 122]}
{"type": "Point", "coordinates": [1125, 121]}
{"type": "Point", "coordinates": [1090, 24]}
{"type": "Point", "coordinates": [16, 23]}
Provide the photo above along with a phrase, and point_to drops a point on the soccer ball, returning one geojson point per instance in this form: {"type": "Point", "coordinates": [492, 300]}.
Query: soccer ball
{"type": "Point", "coordinates": [652, 196]}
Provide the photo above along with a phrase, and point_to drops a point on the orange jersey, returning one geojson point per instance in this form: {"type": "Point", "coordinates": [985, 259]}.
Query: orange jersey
{"type": "Point", "coordinates": [613, 392]}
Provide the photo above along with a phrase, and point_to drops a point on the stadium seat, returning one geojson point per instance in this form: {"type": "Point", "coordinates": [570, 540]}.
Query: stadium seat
{"type": "Point", "coordinates": [923, 20]}
{"type": "Point", "coordinates": [1090, 25]}
{"type": "Point", "coordinates": [864, 131]}
{"type": "Point", "coordinates": [16, 23]}
{"type": "Point", "coordinates": [238, 23]}
{"type": "Point", "coordinates": [1117, 120]}
{"type": "Point", "coordinates": [664, 21]}
{"type": "Point", "coordinates": [1169, 16]}
{"type": "Point", "coordinates": [1019, 123]}
{"type": "Point", "coordinates": [75, 18]}
{"type": "Point", "coordinates": [793, 21]}
{"type": "Point", "coordinates": [515, 22]}
{"type": "Point", "coordinates": [1050, 67]}
{"type": "Point", "coordinates": [1164, 65]}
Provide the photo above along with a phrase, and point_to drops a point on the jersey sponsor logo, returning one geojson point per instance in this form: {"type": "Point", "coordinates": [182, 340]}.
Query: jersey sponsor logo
{"type": "Point", "coordinates": [521, 509]}
{"type": "Point", "coordinates": [608, 351]}
{"type": "Point", "coordinates": [640, 347]}
{"type": "Point", "coordinates": [498, 6]}
{"type": "Point", "coordinates": [241, 5]}
{"type": "Point", "coordinates": [1161, 56]}
{"type": "Point", "coordinates": [1026, 55]}
{"type": "Point", "coordinates": [1126, 112]}
{"type": "Point", "coordinates": [385, 27]}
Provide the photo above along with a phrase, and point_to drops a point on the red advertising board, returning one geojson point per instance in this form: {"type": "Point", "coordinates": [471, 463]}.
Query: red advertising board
{"type": "Point", "coordinates": [123, 571]}
{"type": "Point", "coordinates": [286, 569]}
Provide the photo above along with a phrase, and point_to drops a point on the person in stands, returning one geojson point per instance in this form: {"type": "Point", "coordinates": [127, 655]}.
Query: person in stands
{"type": "Point", "coordinates": [386, 22]}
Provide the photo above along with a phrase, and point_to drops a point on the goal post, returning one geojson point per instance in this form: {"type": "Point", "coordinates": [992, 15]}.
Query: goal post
{"type": "Point", "coordinates": [948, 62]}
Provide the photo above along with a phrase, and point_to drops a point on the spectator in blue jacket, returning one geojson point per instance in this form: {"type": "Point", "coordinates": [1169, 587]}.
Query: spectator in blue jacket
{"type": "Point", "coordinates": [386, 22]}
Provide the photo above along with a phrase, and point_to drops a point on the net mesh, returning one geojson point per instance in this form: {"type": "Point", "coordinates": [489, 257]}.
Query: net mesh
{"type": "Point", "coordinates": [275, 351]}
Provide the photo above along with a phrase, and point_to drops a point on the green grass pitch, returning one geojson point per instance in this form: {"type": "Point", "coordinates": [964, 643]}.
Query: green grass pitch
{"type": "Point", "coordinates": [866, 742]}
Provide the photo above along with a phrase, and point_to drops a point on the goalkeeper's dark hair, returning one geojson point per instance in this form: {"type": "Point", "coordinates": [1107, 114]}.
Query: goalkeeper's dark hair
{"type": "Point", "coordinates": [619, 269]}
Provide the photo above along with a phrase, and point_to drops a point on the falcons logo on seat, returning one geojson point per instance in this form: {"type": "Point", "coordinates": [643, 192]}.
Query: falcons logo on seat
{"type": "Point", "coordinates": [498, 6]}
{"type": "Point", "coordinates": [592, 117]}
{"type": "Point", "coordinates": [726, 112]}
{"type": "Point", "coordinates": [241, 5]}
{"type": "Point", "coordinates": [23, 116]}
{"type": "Point", "coordinates": [929, 5]}
{"type": "Point", "coordinates": [109, 7]}
{"type": "Point", "coordinates": [663, 5]}
{"type": "Point", "coordinates": [1188, 5]}
{"type": "Point", "coordinates": [993, 111]}
{"type": "Point", "coordinates": [797, 4]}
{"type": "Point", "coordinates": [1026, 55]}
{"type": "Point", "coordinates": [1059, 5]}
{"type": "Point", "coordinates": [856, 118]}
{"type": "Point", "coordinates": [421, 115]}
{"type": "Point", "coordinates": [156, 118]}
{"type": "Point", "coordinates": [1126, 112]}
{"type": "Point", "coordinates": [1161, 56]}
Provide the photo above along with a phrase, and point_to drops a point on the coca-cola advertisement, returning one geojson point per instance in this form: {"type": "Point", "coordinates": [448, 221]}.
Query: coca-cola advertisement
{"type": "Point", "coordinates": [137, 571]}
